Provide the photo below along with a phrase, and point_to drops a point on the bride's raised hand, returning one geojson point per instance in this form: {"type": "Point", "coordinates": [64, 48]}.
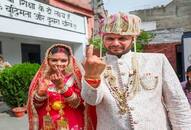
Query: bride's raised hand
{"type": "Point", "coordinates": [42, 87]}
{"type": "Point", "coordinates": [57, 78]}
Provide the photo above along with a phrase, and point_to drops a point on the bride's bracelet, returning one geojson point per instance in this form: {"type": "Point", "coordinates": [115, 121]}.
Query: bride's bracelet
{"type": "Point", "coordinates": [75, 103]}
{"type": "Point", "coordinates": [37, 104]}
{"type": "Point", "coordinates": [39, 98]}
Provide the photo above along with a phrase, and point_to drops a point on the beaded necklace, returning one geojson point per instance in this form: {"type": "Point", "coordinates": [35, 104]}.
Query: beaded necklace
{"type": "Point", "coordinates": [123, 94]}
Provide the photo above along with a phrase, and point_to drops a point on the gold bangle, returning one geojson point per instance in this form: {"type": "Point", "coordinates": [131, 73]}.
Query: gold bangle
{"type": "Point", "coordinates": [75, 103]}
{"type": "Point", "coordinates": [39, 98]}
{"type": "Point", "coordinates": [38, 104]}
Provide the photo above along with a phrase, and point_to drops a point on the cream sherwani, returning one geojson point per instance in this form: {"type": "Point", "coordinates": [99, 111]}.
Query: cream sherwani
{"type": "Point", "coordinates": [147, 109]}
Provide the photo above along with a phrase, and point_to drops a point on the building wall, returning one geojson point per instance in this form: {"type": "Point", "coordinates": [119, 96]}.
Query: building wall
{"type": "Point", "coordinates": [11, 50]}
{"type": "Point", "coordinates": [38, 31]}
{"type": "Point", "coordinates": [85, 4]}
{"type": "Point", "coordinates": [172, 21]}
{"type": "Point", "coordinates": [169, 49]}
{"type": "Point", "coordinates": [176, 14]}
{"type": "Point", "coordinates": [35, 33]}
{"type": "Point", "coordinates": [14, 31]}
{"type": "Point", "coordinates": [81, 7]}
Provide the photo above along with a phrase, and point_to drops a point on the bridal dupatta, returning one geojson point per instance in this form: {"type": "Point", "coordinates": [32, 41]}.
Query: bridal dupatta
{"type": "Point", "coordinates": [89, 112]}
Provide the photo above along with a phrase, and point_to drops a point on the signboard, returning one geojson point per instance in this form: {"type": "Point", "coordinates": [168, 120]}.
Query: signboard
{"type": "Point", "coordinates": [39, 13]}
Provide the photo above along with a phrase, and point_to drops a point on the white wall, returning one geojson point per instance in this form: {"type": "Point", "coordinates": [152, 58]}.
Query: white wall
{"type": "Point", "coordinates": [13, 26]}
{"type": "Point", "coordinates": [25, 27]}
{"type": "Point", "coordinates": [11, 48]}
{"type": "Point", "coordinates": [14, 32]}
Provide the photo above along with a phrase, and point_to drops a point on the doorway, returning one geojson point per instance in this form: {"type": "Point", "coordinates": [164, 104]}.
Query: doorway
{"type": "Point", "coordinates": [30, 53]}
{"type": "Point", "coordinates": [179, 63]}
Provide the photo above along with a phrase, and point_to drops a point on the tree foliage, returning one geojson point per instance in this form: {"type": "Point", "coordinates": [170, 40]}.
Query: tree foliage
{"type": "Point", "coordinates": [15, 81]}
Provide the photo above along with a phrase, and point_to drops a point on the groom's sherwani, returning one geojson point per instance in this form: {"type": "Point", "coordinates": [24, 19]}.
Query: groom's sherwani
{"type": "Point", "coordinates": [139, 93]}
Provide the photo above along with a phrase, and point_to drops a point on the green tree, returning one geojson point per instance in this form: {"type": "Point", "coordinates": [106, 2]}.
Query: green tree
{"type": "Point", "coordinates": [15, 81]}
{"type": "Point", "coordinates": [143, 39]}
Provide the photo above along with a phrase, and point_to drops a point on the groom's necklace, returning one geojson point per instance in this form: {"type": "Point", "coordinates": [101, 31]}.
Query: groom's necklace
{"type": "Point", "coordinates": [122, 93]}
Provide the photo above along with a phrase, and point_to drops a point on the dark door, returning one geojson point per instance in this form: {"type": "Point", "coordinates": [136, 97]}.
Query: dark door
{"type": "Point", "coordinates": [179, 63]}
{"type": "Point", "coordinates": [30, 53]}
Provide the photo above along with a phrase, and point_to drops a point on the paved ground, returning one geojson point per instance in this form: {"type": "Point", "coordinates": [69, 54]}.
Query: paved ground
{"type": "Point", "coordinates": [9, 122]}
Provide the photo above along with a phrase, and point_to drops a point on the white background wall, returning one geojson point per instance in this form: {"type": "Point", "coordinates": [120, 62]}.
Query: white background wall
{"type": "Point", "coordinates": [11, 48]}
{"type": "Point", "coordinates": [14, 32]}
{"type": "Point", "coordinates": [13, 26]}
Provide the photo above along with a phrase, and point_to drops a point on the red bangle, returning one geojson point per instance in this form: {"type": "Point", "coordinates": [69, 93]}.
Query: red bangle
{"type": "Point", "coordinates": [93, 81]}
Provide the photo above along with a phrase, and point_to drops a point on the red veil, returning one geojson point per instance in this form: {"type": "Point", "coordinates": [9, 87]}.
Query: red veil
{"type": "Point", "coordinates": [89, 112]}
